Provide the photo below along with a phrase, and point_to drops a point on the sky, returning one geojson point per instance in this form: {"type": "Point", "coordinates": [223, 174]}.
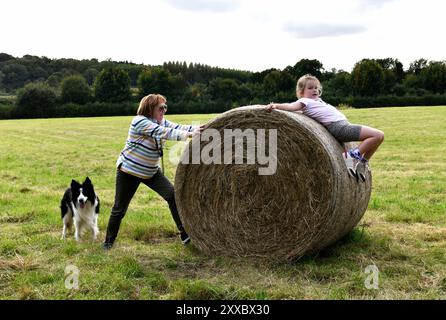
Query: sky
{"type": "Point", "coordinates": [252, 35]}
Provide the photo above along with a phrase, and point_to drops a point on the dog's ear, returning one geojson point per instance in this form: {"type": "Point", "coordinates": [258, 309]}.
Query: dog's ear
{"type": "Point", "coordinates": [87, 181]}
{"type": "Point", "coordinates": [74, 183]}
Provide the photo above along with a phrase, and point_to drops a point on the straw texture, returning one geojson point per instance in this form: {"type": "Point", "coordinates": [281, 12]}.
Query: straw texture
{"type": "Point", "coordinates": [309, 203]}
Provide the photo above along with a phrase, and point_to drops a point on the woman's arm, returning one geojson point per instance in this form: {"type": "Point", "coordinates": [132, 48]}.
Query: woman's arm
{"type": "Point", "coordinates": [148, 128]}
{"type": "Point", "coordinates": [189, 128]}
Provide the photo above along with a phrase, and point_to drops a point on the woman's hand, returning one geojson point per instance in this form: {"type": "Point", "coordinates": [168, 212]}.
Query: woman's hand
{"type": "Point", "coordinates": [194, 133]}
{"type": "Point", "coordinates": [197, 131]}
{"type": "Point", "coordinates": [202, 128]}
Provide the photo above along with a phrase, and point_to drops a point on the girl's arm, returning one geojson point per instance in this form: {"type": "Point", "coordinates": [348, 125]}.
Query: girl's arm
{"type": "Point", "coordinates": [293, 106]}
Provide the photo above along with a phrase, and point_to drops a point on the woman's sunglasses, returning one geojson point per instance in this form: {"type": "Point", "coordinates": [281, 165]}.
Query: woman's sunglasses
{"type": "Point", "coordinates": [163, 107]}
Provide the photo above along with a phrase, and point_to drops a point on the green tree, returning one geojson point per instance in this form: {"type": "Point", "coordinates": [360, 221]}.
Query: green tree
{"type": "Point", "coordinates": [54, 80]}
{"type": "Point", "coordinates": [224, 89]}
{"type": "Point", "coordinates": [259, 77]}
{"type": "Point", "coordinates": [133, 70]}
{"type": "Point", "coordinates": [179, 86]}
{"type": "Point", "coordinates": [5, 57]}
{"type": "Point", "coordinates": [90, 75]}
{"type": "Point", "coordinates": [158, 80]}
{"type": "Point", "coordinates": [367, 78]}
{"type": "Point", "coordinates": [390, 81]}
{"type": "Point", "coordinates": [411, 81]}
{"type": "Point", "coordinates": [394, 66]}
{"type": "Point", "coordinates": [340, 85]}
{"type": "Point", "coordinates": [112, 85]}
{"type": "Point", "coordinates": [418, 65]}
{"type": "Point", "coordinates": [2, 76]}
{"type": "Point", "coordinates": [36, 100]}
{"type": "Point", "coordinates": [278, 81]}
{"type": "Point", "coordinates": [307, 66]}
{"type": "Point", "coordinates": [433, 77]}
{"type": "Point", "coordinates": [15, 75]}
{"type": "Point", "coordinates": [393, 73]}
{"type": "Point", "coordinates": [197, 91]}
{"type": "Point", "coordinates": [75, 89]}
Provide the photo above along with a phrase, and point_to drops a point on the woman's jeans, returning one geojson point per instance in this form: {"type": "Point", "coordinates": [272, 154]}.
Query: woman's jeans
{"type": "Point", "coordinates": [126, 186]}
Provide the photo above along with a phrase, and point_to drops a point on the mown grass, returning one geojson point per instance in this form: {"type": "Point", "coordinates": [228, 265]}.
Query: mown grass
{"type": "Point", "coordinates": [403, 231]}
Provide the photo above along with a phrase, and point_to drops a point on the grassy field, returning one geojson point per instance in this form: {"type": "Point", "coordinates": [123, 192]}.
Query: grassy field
{"type": "Point", "coordinates": [403, 232]}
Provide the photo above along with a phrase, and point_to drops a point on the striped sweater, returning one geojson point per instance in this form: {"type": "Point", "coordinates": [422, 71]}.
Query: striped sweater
{"type": "Point", "coordinates": [141, 154]}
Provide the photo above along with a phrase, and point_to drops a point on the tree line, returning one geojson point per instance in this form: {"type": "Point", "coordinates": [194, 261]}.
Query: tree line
{"type": "Point", "coordinates": [68, 87]}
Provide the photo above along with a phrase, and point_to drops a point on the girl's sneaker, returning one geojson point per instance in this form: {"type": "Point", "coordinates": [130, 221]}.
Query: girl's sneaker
{"type": "Point", "coordinates": [350, 163]}
{"type": "Point", "coordinates": [361, 169]}
{"type": "Point", "coordinates": [361, 163]}
{"type": "Point", "coordinates": [356, 154]}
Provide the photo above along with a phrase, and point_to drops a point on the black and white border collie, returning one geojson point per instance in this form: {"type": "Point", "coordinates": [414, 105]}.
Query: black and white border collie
{"type": "Point", "coordinates": [80, 205]}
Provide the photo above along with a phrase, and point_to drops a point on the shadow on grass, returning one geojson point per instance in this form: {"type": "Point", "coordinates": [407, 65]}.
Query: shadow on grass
{"type": "Point", "coordinates": [355, 242]}
{"type": "Point", "coordinates": [153, 234]}
{"type": "Point", "coordinates": [21, 218]}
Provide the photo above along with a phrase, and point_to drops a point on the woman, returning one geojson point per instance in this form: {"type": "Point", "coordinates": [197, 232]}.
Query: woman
{"type": "Point", "coordinates": [139, 162]}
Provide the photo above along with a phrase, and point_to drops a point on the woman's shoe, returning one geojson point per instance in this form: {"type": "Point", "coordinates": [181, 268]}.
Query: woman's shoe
{"type": "Point", "coordinates": [185, 239]}
{"type": "Point", "coordinates": [107, 245]}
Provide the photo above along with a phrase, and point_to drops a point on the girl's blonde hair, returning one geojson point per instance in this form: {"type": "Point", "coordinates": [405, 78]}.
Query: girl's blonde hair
{"type": "Point", "coordinates": [302, 83]}
{"type": "Point", "coordinates": [148, 103]}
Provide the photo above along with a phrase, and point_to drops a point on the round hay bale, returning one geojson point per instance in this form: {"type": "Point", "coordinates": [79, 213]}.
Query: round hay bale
{"type": "Point", "coordinates": [308, 203]}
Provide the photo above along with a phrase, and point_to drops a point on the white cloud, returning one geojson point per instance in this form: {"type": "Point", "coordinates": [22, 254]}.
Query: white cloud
{"type": "Point", "coordinates": [316, 30]}
{"type": "Point", "coordinates": [205, 5]}
{"type": "Point", "coordinates": [374, 3]}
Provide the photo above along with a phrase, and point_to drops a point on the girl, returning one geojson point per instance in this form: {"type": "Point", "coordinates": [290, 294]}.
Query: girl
{"type": "Point", "coordinates": [309, 91]}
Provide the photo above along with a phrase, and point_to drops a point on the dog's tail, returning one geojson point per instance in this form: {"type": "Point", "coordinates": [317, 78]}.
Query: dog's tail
{"type": "Point", "coordinates": [96, 210]}
{"type": "Point", "coordinates": [65, 202]}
